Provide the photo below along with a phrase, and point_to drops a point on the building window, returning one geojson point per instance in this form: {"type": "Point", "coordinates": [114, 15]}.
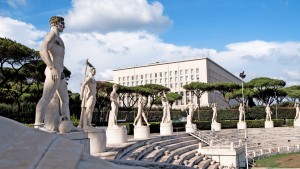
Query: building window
{"type": "Point", "coordinates": [137, 77]}
{"type": "Point", "coordinates": [170, 73]}
{"type": "Point", "coordinates": [171, 79]}
{"type": "Point", "coordinates": [171, 85]}
{"type": "Point", "coordinates": [181, 71]}
{"type": "Point", "coordinates": [160, 80]}
{"type": "Point", "coordinates": [150, 81]}
{"type": "Point", "coordinates": [175, 79]}
{"type": "Point", "coordinates": [160, 74]}
{"type": "Point", "coordinates": [175, 72]}
{"type": "Point", "coordinates": [166, 74]}
{"type": "Point", "coordinates": [150, 75]}
{"type": "Point", "coordinates": [192, 77]}
{"type": "Point", "coordinates": [186, 78]}
{"type": "Point", "coordinates": [119, 78]}
{"type": "Point", "coordinates": [197, 77]}
{"type": "Point", "coordinates": [146, 81]}
{"type": "Point", "coordinates": [145, 76]}
{"type": "Point", "coordinates": [155, 81]}
{"type": "Point", "coordinates": [192, 71]}
{"type": "Point", "coordinates": [132, 83]}
{"type": "Point", "coordinates": [123, 78]}
{"type": "Point", "coordinates": [155, 75]}
{"type": "Point", "coordinates": [123, 83]}
{"type": "Point", "coordinates": [127, 78]}
{"type": "Point", "coordinates": [137, 82]}
{"type": "Point", "coordinates": [132, 77]}
{"type": "Point", "coordinates": [181, 78]}
{"type": "Point", "coordinates": [141, 82]}
{"type": "Point", "coordinates": [197, 70]}
{"type": "Point", "coordinates": [166, 80]}
{"type": "Point", "coordinates": [127, 83]}
{"type": "Point", "coordinates": [142, 76]}
{"type": "Point", "coordinates": [186, 71]}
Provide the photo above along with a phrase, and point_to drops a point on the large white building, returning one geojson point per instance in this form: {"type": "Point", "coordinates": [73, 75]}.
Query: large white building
{"type": "Point", "coordinates": [175, 75]}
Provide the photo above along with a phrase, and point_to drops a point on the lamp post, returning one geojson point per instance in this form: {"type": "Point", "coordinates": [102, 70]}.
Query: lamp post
{"type": "Point", "coordinates": [276, 104]}
{"type": "Point", "coordinates": [242, 76]}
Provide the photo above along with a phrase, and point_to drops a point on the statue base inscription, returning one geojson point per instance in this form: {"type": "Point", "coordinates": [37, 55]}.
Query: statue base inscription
{"type": "Point", "coordinates": [141, 132]}
{"type": "Point", "coordinates": [215, 126]}
{"type": "Point", "coordinates": [116, 135]}
{"type": "Point", "coordinates": [190, 128]}
{"type": "Point", "coordinates": [166, 129]}
{"type": "Point", "coordinates": [241, 125]}
{"type": "Point", "coordinates": [269, 124]}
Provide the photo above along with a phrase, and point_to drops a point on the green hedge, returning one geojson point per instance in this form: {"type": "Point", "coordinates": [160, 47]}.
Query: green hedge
{"type": "Point", "coordinates": [206, 125]}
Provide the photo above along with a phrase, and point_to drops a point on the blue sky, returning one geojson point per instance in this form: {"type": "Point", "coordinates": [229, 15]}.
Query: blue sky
{"type": "Point", "coordinates": [260, 37]}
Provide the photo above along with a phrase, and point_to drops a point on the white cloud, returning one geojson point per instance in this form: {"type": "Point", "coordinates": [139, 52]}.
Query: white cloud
{"type": "Point", "coordinates": [118, 50]}
{"type": "Point", "coordinates": [21, 32]}
{"type": "Point", "coordinates": [16, 3]}
{"type": "Point", "coordinates": [115, 15]}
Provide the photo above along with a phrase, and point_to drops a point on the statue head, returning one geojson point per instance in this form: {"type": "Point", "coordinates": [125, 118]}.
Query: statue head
{"type": "Point", "coordinates": [57, 21]}
{"type": "Point", "coordinates": [115, 87]}
{"type": "Point", "coordinates": [93, 70]}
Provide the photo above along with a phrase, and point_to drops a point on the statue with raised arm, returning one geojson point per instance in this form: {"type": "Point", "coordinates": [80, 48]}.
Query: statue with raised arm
{"type": "Point", "coordinates": [268, 113]}
{"type": "Point", "coordinates": [214, 117]}
{"type": "Point", "coordinates": [52, 53]}
{"type": "Point", "coordinates": [114, 98]}
{"type": "Point", "coordinates": [88, 97]}
{"type": "Point", "coordinates": [141, 112]}
{"type": "Point", "coordinates": [166, 109]}
{"type": "Point", "coordinates": [192, 107]}
{"type": "Point", "coordinates": [242, 112]}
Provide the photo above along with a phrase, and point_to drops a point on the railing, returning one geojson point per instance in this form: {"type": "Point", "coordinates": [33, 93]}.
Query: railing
{"type": "Point", "coordinates": [260, 153]}
{"type": "Point", "coordinates": [216, 142]}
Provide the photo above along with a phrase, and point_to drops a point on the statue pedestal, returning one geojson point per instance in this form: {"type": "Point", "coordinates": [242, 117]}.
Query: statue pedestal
{"type": "Point", "coordinates": [241, 125]}
{"type": "Point", "coordinates": [166, 129]}
{"type": "Point", "coordinates": [97, 138]}
{"type": "Point", "coordinates": [215, 126]}
{"type": "Point", "coordinates": [297, 123]}
{"type": "Point", "coordinates": [78, 137]}
{"type": "Point", "coordinates": [141, 132]}
{"type": "Point", "coordinates": [190, 128]}
{"type": "Point", "coordinates": [116, 135]}
{"type": "Point", "coordinates": [269, 124]}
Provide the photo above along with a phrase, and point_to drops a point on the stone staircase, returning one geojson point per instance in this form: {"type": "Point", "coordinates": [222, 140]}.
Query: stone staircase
{"type": "Point", "coordinates": [179, 150]}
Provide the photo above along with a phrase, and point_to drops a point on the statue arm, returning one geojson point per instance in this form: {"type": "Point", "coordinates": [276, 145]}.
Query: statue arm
{"type": "Point", "coordinates": [46, 46]}
{"type": "Point", "coordinates": [87, 80]}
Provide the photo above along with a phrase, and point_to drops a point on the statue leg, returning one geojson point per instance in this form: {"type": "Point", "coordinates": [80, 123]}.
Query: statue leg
{"type": "Point", "coordinates": [48, 92]}
{"type": "Point", "coordinates": [90, 109]}
{"type": "Point", "coordinates": [64, 98]}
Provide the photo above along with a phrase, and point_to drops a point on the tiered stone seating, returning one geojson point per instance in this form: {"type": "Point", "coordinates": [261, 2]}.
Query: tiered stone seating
{"type": "Point", "coordinates": [178, 149]}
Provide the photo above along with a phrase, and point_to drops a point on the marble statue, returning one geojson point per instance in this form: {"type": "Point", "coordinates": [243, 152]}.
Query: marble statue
{"type": "Point", "coordinates": [52, 53]}
{"type": "Point", "coordinates": [88, 97]}
{"type": "Point", "coordinates": [141, 112]}
{"type": "Point", "coordinates": [214, 117]}
{"type": "Point", "coordinates": [192, 107]}
{"type": "Point", "coordinates": [166, 109]}
{"type": "Point", "coordinates": [297, 112]}
{"type": "Point", "coordinates": [268, 113]}
{"type": "Point", "coordinates": [114, 98]}
{"type": "Point", "coordinates": [242, 112]}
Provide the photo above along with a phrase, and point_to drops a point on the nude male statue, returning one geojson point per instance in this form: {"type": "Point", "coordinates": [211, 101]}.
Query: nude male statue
{"type": "Point", "coordinates": [242, 112]}
{"type": "Point", "coordinates": [88, 97]}
{"type": "Point", "coordinates": [166, 109]}
{"type": "Point", "coordinates": [268, 113]}
{"type": "Point", "coordinates": [191, 106]}
{"type": "Point", "coordinates": [214, 117]}
{"type": "Point", "coordinates": [297, 112]}
{"type": "Point", "coordinates": [52, 53]}
{"type": "Point", "coordinates": [112, 120]}
{"type": "Point", "coordinates": [141, 112]}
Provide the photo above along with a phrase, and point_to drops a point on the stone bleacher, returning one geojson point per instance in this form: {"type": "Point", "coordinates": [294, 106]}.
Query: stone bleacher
{"type": "Point", "coordinates": [179, 150]}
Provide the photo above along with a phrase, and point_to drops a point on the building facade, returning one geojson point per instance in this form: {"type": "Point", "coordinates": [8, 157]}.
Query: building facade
{"type": "Point", "coordinates": [175, 75]}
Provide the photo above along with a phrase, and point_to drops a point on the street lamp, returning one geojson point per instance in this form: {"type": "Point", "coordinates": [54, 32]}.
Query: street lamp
{"type": "Point", "coordinates": [242, 76]}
